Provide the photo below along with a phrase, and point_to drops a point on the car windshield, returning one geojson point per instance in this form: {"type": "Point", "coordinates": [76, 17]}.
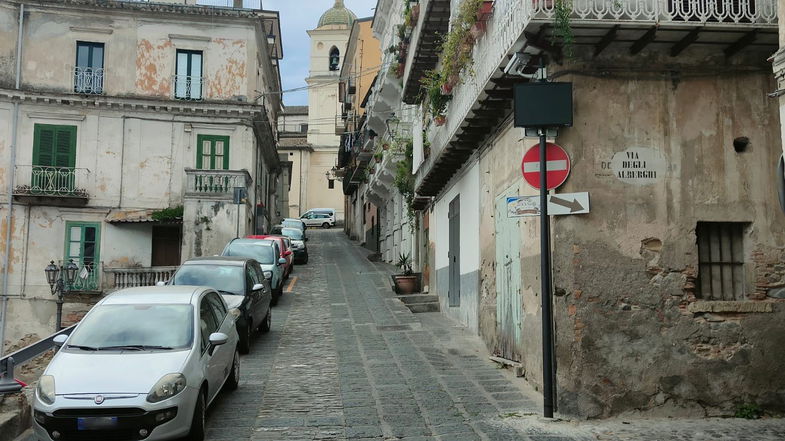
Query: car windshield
{"type": "Point", "coordinates": [263, 253]}
{"type": "Point", "coordinates": [224, 278]}
{"type": "Point", "coordinates": [135, 327]}
{"type": "Point", "coordinates": [292, 224]}
{"type": "Point", "coordinates": [293, 233]}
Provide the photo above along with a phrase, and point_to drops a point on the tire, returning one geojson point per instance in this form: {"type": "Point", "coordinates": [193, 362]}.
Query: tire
{"type": "Point", "coordinates": [267, 322]}
{"type": "Point", "coordinates": [305, 260]}
{"type": "Point", "coordinates": [233, 382]}
{"type": "Point", "coordinates": [245, 338]}
{"type": "Point", "coordinates": [198, 421]}
{"type": "Point", "coordinates": [325, 225]}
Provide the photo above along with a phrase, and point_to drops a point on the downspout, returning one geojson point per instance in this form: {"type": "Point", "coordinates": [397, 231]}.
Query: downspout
{"type": "Point", "coordinates": [12, 172]}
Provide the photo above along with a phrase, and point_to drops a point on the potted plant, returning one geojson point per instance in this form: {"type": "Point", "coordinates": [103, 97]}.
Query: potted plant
{"type": "Point", "coordinates": [440, 120]}
{"type": "Point", "coordinates": [485, 11]}
{"type": "Point", "coordinates": [378, 157]}
{"type": "Point", "coordinates": [385, 146]}
{"type": "Point", "coordinates": [446, 89]}
{"type": "Point", "coordinates": [426, 149]}
{"type": "Point", "coordinates": [408, 282]}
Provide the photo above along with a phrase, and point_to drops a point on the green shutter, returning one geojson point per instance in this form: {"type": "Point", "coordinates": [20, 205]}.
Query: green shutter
{"type": "Point", "coordinates": [43, 145]}
{"type": "Point", "coordinates": [65, 147]}
{"type": "Point", "coordinates": [212, 165]}
{"type": "Point", "coordinates": [54, 146]}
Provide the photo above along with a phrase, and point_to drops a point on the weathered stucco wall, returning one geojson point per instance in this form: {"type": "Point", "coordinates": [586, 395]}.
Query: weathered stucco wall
{"type": "Point", "coordinates": [208, 225]}
{"type": "Point", "coordinates": [318, 193]}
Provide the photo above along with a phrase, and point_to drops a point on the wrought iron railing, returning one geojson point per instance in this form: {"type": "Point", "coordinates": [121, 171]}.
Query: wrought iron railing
{"type": "Point", "coordinates": [88, 278]}
{"type": "Point", "coordinates": [699, 11]}
{"type": "Point", "coordinates": [88, 80]}
{"type": "Point", "coordinates": [119, 278]}
{"type": "Point", "coordinates": [216, 182]}
{"type": "Point", "coordinates": [188, 87]}
{"type": "Point", "coordinates": [37, 180]}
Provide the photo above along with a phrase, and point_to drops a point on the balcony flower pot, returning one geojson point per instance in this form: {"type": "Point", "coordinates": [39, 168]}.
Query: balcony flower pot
{"type": "Point", "coordinates": [385, 146]}
{"type": "Point", "coordinates": [399, 70]}
{"type": "Point", "coordinates": [485, 11]}
{"type": "Point", "coordinates": [406, 283]}
{"type": "Point", "coordinates": [478, 29]}
{"type": "Point", "coordinates": [446, 89]}
{"type": "Point", "coordinates": [415, 13]}
{"type": "Point", "coordinates": [440, 120]}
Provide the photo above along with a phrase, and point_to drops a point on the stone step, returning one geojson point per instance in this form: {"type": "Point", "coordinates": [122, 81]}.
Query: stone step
{"type": "Point", "coordinates": [423, 307]}
{"type": "Point", "coordinates": [418, 298]}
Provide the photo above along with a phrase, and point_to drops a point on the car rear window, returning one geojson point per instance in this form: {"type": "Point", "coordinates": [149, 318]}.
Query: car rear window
{"type": "Point", "coordinates": [293, 233]}
{"type": "Point", "coordinates": [228, 278]}
{"type": "Point", "coordinates": [262, 253]}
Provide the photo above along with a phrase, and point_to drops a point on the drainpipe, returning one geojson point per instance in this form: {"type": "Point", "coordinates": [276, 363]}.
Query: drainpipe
{"type": "Point", "coordinates": [12, 172]}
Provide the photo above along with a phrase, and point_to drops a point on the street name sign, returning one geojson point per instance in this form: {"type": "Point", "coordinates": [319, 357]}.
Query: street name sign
{"type": "Point", "coordinates": [558, 205]}
{"type": "Point", "coordinates": [557, 166]}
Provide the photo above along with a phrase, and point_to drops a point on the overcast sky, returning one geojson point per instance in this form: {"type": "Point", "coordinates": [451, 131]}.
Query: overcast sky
{"type": "Point", "coordinates": [297, 16]}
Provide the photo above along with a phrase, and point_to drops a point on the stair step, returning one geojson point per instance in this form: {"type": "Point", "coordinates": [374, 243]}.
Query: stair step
{"type": "Point", "coordinates": [423, 307]}
{"type": "Point", "coordinates": [418, 298]}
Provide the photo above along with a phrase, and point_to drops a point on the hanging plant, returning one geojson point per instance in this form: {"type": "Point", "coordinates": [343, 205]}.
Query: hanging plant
{"type": "Point", "coordinates": [563, 26]}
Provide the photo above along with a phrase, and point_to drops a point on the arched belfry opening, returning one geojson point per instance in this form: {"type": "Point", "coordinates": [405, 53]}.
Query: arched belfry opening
{"type": "Point", "coordinates": [335, 58]}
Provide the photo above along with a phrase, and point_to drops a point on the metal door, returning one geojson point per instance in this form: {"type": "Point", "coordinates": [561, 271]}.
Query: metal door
{"type": "Point", "coordinates": [509, 308]}
{"type": "Point", "coordinates": [454, 252]}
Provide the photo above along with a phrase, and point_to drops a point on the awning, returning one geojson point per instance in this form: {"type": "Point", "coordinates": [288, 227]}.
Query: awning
{"type": "Point", "coordinates": [118, 216]}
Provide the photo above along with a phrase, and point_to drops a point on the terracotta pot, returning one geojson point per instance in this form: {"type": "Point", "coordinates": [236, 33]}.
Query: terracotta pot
{"type": "Point", "coordinates": [378, 160]}
{"type": "Point", "coordinates": [485, 11]}
{"type": "Point", "coordinates": [440, 120]}
{"type": "Point", "coordinates": [478, 29]}
{"type": "Point", "coordinates": [446, 89]}
{"type": "Point", "coordinates": [406, 284]}
{"type": "Point", "coordinates": [400, 70]}
{"type": "Point", "coordinates": [415, 13]}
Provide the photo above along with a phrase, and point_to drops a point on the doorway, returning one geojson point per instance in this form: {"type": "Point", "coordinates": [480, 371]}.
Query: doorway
{"type": "Point", "coordinates": [454, 252]}
{"type": "Point", "coordinates": [166, 245]}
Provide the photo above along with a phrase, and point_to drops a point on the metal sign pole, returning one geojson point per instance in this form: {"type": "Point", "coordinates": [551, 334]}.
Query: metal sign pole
{"type": "Point", "coordinates": [545, 278]}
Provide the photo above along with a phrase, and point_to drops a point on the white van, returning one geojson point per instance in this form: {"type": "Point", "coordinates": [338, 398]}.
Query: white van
{"type": "Point", "coordinates": [319, 217]}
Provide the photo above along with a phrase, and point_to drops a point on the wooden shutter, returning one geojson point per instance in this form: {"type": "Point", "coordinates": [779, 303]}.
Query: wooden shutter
{"type": "Point", "coordinates": [54, 146]}
{"type": "Point", "coordinates": [65, 147]}
{"type": "Point", "coordinates": [43, 145]}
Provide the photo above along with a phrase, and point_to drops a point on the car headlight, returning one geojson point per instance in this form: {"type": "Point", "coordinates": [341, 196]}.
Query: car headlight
{"type": "Point", "coordinates": [46, 389]}
{"type": "Point", "coordinates": [298, 243]}
{"type": "Point", "coordinates": [167, 387]}
{"type": "Point", "coordinates": [268, 275]}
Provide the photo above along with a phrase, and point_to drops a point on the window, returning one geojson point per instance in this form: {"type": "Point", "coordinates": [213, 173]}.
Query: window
{"type": "Point", "coordinates": [82, 243]}
{"type": "Point", "coordinates": [208, 323]}
{"type": "Point", "coordinates": [54, 158]}
{"type": "Point", "coordinates": [303, 128]}
{"type": "Point", "coordinates": [188, 75]}
{"type": "Point", "coordinates": [335, 58]}
{"type": "Point", "coordinates": [721, 260]}
{"type": "Point", "coordinates": [331, 183]}
{"type": "Point", "coordinates": [212, 152]}
{"type": "Point", "coordinates": [89, 68]}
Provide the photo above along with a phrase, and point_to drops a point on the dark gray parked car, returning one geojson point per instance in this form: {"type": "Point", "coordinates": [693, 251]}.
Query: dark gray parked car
{"type": "Point", "coordinates": [241, 283]}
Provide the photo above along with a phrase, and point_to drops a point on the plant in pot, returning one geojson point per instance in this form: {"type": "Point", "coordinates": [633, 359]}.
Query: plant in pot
{"type": "Point", "coordinates": [378, 157]}
{"type": "Point", "coordinates": [407, 282]}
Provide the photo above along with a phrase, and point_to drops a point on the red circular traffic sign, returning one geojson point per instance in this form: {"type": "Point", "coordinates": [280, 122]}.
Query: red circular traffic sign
{"type": "Point", "coordinates": [558, 166]}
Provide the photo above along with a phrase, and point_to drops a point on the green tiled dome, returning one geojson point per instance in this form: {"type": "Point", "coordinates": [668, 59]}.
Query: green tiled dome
{"type": "Point", "coordinates": [337, 15]}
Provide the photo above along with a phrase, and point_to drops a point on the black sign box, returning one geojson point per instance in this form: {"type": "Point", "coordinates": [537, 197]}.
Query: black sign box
{"type": "Point", "coordinates": [543, 105]}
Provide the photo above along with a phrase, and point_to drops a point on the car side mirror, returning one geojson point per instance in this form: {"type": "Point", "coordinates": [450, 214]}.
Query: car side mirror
{"type": "Point", "coordinates": [257, 287]}
{"type": "Point", "coordinates": [287, 253]}
{"type": "Point", "coordinates": [160, 283]}
{"type": "Point", "coordinates": [59, 340]}
{"type": "Point", "coordinates": [281, 261]}
{"type": "Point", "coordinates": [218, 338]}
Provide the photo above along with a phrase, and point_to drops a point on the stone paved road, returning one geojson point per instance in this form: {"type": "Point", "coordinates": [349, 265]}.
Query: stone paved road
{"type": "Point", "coordinates": [345, 360]}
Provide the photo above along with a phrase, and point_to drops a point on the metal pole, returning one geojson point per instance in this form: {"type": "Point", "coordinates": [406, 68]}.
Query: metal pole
{"type": "Point", "coordinates": [545, 277]}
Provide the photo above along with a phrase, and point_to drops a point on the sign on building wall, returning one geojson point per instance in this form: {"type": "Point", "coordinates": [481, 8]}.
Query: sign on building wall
{"type": "Point", "coordinates": [558, 205]}
{"type": "Point", "coordinates": [638, 166]}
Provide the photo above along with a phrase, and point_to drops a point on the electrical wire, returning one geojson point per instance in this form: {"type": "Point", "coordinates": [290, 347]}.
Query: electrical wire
{"type": "Point", "coordinates": [362, 73]}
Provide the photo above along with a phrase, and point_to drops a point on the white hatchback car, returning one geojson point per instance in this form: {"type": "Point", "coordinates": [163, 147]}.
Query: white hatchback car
{"type": "Point", "coordinates": [144, 363]}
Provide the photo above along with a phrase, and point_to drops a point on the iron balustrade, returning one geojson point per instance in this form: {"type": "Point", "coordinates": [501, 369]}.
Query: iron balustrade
{"type": "Point", "coordinates": [188, 87]}
{"type": "Point", "coordinates": [38, 180]}
{"type": "Point", "coordinates": [89, 80]}
{"type": "Point", "coordinates": [132, 277]}
{"type": "Point", "coordinates": [10, 361]}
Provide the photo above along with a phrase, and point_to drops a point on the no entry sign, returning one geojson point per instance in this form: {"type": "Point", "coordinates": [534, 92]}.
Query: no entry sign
{"type": "Point", "coordinates": [557, 166]}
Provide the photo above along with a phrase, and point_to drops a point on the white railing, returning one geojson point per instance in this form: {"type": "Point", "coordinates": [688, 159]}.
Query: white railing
{"type": "Point", "coordinates": [216, 182]}
{"type": "Point", "coordinates": [37, 180]}
{"type": "Point", "coordinates": [188, 87]}
{"type": "Point", "coordinates": [695, 11]}
{"type": "Point", "coordinates": [88, 80]}
{"type": "Point", "coordinates": [119, 278]}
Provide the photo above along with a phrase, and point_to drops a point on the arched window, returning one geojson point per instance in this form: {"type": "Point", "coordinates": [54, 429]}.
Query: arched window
{"type": "Point", "coordinates": [335, 57]}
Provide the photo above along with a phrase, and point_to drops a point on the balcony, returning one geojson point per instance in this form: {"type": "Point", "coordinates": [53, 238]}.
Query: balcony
{"type": "Point", "coordinates": [88, 80]}
{"type": "Point", "coordinates": [215, 184]}
{"type": "Point", "coordinates": [433, 22]}
{"type": "Point", "coordinates": [188, 88]}
{"type": "Point", "coordinates": [57, 186]}
{"type": "Point", "coordinates": [119, 278]}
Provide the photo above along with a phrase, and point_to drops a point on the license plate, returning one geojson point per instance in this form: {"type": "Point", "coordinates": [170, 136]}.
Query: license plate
{"type": "Point", "coordinates": [96, 423]}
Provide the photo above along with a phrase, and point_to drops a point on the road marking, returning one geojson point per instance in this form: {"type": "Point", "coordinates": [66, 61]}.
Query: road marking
{"type": "Point", "coordinates": [291, 284]}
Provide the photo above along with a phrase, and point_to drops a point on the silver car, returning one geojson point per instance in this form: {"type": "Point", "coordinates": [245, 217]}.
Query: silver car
{"type": "Point", "coordinates": [264, 251]}
{"type": "Point", "coordinates": [144, 363]}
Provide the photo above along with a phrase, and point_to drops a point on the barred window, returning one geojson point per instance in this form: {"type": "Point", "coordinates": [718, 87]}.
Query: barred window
{"type": "Point", "coordinates": [721, 259]}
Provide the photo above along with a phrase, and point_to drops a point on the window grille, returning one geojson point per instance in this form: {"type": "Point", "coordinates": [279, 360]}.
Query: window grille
{"type": "Point", "coordinates": [721, 260]}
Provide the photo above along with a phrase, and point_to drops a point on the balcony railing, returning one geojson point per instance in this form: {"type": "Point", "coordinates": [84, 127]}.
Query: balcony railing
{"type": "Point", "coordinates": [119, 278]}
{"type": "Point", "coordinates": [88, 277]}
{"type": "Point", "coordinates": [216, 182]}
{"type": "Point", "coordinates": [693, 11]}
{"type": "Point", "coordinates": [188, 88]}
{"type": "Point", "coordinates": [36, 180]}
{"type": "Point", "coordinates": [88, 80]}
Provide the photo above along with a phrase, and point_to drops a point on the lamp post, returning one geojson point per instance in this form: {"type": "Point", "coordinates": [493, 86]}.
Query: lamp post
{"type": "Point", "coordinates": [60, 280]}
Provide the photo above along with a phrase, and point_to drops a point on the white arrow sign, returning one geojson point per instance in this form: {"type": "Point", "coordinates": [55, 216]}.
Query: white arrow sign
{"type": "Point", "coordinates": [558, 205]}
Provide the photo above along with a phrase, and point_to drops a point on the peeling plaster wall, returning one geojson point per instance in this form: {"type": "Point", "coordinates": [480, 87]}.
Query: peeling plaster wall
{"type": "Point", "coordinates": [208, 225]}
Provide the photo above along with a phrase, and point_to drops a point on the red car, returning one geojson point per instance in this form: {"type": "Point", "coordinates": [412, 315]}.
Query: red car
{"type": "Point", "coordinates": [286, 253]}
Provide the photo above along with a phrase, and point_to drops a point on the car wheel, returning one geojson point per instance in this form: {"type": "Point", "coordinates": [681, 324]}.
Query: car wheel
{"type": "Point", "coordinates": [325, 225]}
{"type": "Point", "coordinates": [198, 421]}
{"type": "Point", "coordinates": [233, 382]}
{"type": "Point", "coordinates": [267, 322]}
{"type": "Point", "coordinates": [305, 259]}
{"type": "Point", "coordinates": [245, 338]}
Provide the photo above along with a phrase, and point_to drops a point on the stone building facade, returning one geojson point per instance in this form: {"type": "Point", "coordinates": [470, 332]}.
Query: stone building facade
{"type": "Point", "coordinates": [129, 125]}
{"type": "Point", "coordinates": [669, 292]}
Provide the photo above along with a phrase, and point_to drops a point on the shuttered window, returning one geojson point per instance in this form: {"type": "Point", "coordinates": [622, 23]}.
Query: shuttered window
{"type": "Point", "coordinates": [54, 146]}
{"type": "Point", "coordinates": [721, 259]}
{"type": "Point", "coordinates": [212, 152]}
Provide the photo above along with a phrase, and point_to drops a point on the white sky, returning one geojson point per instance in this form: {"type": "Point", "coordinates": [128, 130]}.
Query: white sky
{"type": "Point", "coordinates": [297, 16]}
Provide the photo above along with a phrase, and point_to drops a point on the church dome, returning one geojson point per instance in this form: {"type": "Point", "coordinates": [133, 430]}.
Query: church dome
{"type": "Point", "coordinates": [337, 15]}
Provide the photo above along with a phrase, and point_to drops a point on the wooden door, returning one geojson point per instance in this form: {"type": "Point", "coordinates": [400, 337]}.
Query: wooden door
{"type": "Point", "coordinates": [454, 253]}
{"type": "Point", "coordinates": [166, 245]}
{"type": "Point", "coordinates": [509, 307]}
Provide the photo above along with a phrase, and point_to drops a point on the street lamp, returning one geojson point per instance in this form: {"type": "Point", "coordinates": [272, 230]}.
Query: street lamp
{"type": "Point", "coordinates": [60, 280]}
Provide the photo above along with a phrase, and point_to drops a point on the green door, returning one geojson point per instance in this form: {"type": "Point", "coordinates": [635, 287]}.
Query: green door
{"type": "Point", "coordinates": [82, 244]}
{"type": "Point", "coordinates": [54, 159]}
{"type": "Point", "coordinates": [509, 304]}
{"type": "Point", "coordinates": [212, 153]}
